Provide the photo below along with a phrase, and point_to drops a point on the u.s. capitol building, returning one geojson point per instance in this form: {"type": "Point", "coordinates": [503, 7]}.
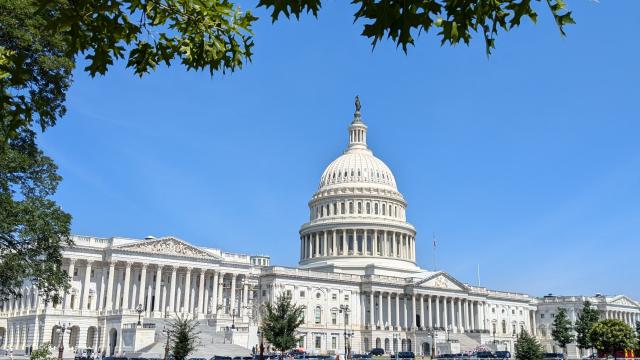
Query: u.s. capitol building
{"type": "Point", "coordinates": [357, 280]}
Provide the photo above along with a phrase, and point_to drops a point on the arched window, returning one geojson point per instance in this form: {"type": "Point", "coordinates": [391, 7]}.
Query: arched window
{"type": "Point", "coordinates": [342, 208]}
{"type": "Point", "coordinates": [321, 211]}
{"type": "Point", "coordinates": [350, 207]}
{"type": "Point", "coordinates": [504, 327]}
{"type": "Point", "coordinates": [375, 208]}
{"type": "Point", "coordinates": [335, 208]}
{"type": "Point", "coordinates": [318, 315]}
{"type": "Point", "coordinates": [368, 208]}
{"type": "Point", "coordinates": [383, 209]}
{"type": "Point", "coordinates": [359, 207]}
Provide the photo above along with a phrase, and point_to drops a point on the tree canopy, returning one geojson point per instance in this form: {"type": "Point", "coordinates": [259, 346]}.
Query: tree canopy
{"type": "Point", "coordinates": [562, 332]}
{"type": "Point", "coordinates": [527, 347]}
{"type": "Point", "coordinates": [280, 322]}
{"type": "Point", "coordinates": [588, 317]}
{"type": "Point", "coordinates": [612, 335]}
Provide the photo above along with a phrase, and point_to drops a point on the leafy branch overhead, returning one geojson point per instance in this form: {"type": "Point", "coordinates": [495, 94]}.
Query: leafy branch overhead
{"type": "Point", "coordinates": [206, 34]}
{"type": "Point", "coordinates": [454, 20]}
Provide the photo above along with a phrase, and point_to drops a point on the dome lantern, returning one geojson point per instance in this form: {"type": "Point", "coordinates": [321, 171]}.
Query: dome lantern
{"type": "Point", "coordinates": [357, 130]}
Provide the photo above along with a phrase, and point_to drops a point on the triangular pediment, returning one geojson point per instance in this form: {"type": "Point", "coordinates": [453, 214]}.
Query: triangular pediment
{"type": "Point", "coordinates": [623, 300]}
{"type": "Point", "coordinates": [441, 280]}
{"type": "Point", "coordinates": [167, 246]}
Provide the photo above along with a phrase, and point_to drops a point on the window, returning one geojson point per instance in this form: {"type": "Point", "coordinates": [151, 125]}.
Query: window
{"type": "Point", "coordinates": [513, 329]}
{"type": "Point", "coordinates": [334, 342]}
{"type": "Point", "coordinates": [375, 208]}
{"type": "Point", "coordinates": [553, 316]}
{"type": "Point", "coordinates": [318, 315]}
{"type": "Point", "coordinates": [494, 327]}
{"type": "Point", "coordinates": [334, 318]}
{"type": "Point", "coordinates": [301, 342]}
{"type": "Point", "coordinates": [350, 208]}
{"type": "Point", "coordinates": [368, 208]}
{"type": "Point", "coordinates": [264, 292]}
{"type": "Point", "coordinates": [342, 208]}
{"type": "Point", "coordinates": [504, 327]}
{"type": "Point", "coordinates": [335, 208]}
{"type": "Point", "coordinates": [346, 297]}
{"type": "Point", "coordinates": [541, 316]}
{"type": "Point", "coordinates": [318, 342]}
{"type": "Point", "coordinates": [520, 312]}
{"type": "Point", "coordinates": [288, 293]}
{"type": "Point", "coordinates": [302, 318]}
{"type": "Point", "coordinates": [513, 312]}
{"type": "Point", "coordinates": [75, 272]}
{"type": "Point", "coordinates": [302, 293]}
{"type": "Point", "coordinates": [493, 310]}
{"type": "Point", "coordinates": [359, 208]}
{"type": "Point", "coordinates": [318, 295]}
{"type": "Point", "coordinates": [383, 207]}
{"type": "Point", "coordinates": [334, 296]}
{"type": "Point", "coordinates": [346, 319]}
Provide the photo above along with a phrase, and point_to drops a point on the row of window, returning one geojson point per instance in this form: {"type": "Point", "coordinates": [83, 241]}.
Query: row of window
{"type": "Point", "coordinates": [343, 175]}
{"type": "Point", "coordinates": [359, 207]}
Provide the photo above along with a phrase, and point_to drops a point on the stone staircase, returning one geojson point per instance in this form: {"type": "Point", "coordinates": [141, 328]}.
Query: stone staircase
{"type": "Point", "coordinates": [212, 343]}
{"type": "Point", "coordinates": [467, 343]}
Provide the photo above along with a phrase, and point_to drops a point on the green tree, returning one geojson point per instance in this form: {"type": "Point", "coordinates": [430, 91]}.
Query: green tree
{"type": "Point", "coordinates": [33, 228]}
{"type": "Point", "coordinates": [280, 321]}
{"type": "Point", "coordinates": [527, 347]}
{"type": "Point", "coordinates": [184, 337]}
{"type": "Point", "coordinates": [587, 318]}
{"type": "Point", "coordinates": [42, 353]}
{"type": "Point", "coordinates": [612, 335]}
{"type": "Point", "coordinates": [562, 332]}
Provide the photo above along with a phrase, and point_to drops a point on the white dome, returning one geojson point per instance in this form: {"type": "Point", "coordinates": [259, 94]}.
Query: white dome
{"type": "Point", "coordinates": [357, 166]}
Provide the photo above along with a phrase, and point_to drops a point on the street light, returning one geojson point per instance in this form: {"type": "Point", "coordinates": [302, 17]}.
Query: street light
{"type": "Point", "coordinates": [167, 333]}
{"type": "Point", "coordinates": [261, 344]}
{"type": "Point", "coordinates": [344, 309]}
{"type": "Point", "coordinates": [62, 328]}
{"type": "Point", "coordinates": [139, 310]}
{"type": "Point", "coordinates": [396, 342]}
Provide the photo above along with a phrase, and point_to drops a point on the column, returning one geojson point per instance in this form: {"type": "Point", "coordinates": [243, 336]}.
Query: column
{"type": "Point", "coordinates": [85, 287]}
{"type": "Point", "coordinates": [423, 319]}
{"type": "Point", "coordinates": [221, 290]}
{"type": "Point", "coordinates": [187, 291]}
{"type": "Point", "coordinates": [345, 244]}
{"type": "Point", "coordinates": [460, 323]}
{"type": "Point", "coordinates": [412, 323]}
{"type": "Point", "coordinates": [99, 303]}
{"type": "Point", "coordinates": [534, 327]}
{"type": "Point", "coordinates": [371, 311]}
{"type": "Point", "coordinates": [484, 321]}
{"type": "Point", "coordinates": [207, 295]}
{"type": "Point", "coordinates": [466, 314]}
{"type": "Point", "coordinates": [430, 317]}
{"type": "Point", "coordinates": [125, 286]}
{"type": "Point", "coordinates": [389, 323]}
{"type": "Point", "coordinates": [473, 315]}
{"type": "Point", "coordinates": [172, 289]}
{"type": "Point", "coordinates": [374, 245]}
{"type": "Point", "coordinates": [143, 286]}
{"type": "Point", "coordinates": [397, 322]}
{"type": "Point", "coordinates": [201, 290]}
{"type": "Point", "coordinates": [405, 308]}
{"type": "Point", "coordinates": [214, 293]}
{"type": "Point", "coordinates": [365, 248]}
{"type": "Point", "coordinates": [380, 317]}
{"type": "Point", "coordinates": [245, 292]}
{"type": "Point", "coordinates": [438, 324]}
{"type": "Point", "coordinates": [445, 315]}
{"type": "Point", "coordinates": [232, 297]}
{"type": "Point", "coordinates": [109, 300]}
{"type": "Point", "coordinates": [67, 297]}
{"type": "Point", "coordinates": [156, 303]}
{"type": "Point", "coordinates": [325, 243]}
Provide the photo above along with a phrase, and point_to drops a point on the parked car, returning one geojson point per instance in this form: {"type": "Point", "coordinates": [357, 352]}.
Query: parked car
{"type": "Point", "coordinates": [502, 355]}
{"type": "Point", "coordinates": [377, 352]}
{"type": "Point", "coordinates": [553, 356]}
{"type": "Point", "coordinates": [406, 355]}
{"type": "Point", "coordinates": [218, 357]}
{"type": "Point", "coordinates": [484, 355]}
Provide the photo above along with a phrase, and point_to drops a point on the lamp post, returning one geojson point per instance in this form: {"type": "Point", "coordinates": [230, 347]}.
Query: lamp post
{"type": "Point", "coordinates": [344, 309]}
{"type": "Point", "coordinates": [261, 344]}
{"type": "Point", "coordinates": [167, 333]}
{"type": "Point", "coordinates": [139, 310]}
{"type": "Point", "coordinates": [62, 328]}
{"type": "Point", "coordinates": [449, 329]}
{"type": "Point", "coordinates": [396, 341]}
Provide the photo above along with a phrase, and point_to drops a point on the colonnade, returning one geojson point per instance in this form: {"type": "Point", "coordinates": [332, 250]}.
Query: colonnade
{"type": "Point", "coordinates": [122, 286]}
{"type": "Point", "coordinates": [421, 311]}
{"type": "Point", "coordinates": [630, 318]}
{"type": "Point", "coordinates": [361, 242]}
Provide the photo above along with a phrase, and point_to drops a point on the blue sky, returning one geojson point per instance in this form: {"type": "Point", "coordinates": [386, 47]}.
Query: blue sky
{"type": "Point", "coordinates": [526, 163]}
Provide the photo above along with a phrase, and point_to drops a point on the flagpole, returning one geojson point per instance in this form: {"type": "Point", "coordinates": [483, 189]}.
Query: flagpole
{"type": "Point", "coordinates": [435, 266]}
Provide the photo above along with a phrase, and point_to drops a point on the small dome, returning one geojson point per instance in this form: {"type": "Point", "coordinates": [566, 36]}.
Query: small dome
{"type": "Point", "coordinates": [357, 167]}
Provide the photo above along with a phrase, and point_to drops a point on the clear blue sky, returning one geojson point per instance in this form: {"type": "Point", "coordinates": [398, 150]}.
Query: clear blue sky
{"type": "Point", "coordinates": [527, 163]}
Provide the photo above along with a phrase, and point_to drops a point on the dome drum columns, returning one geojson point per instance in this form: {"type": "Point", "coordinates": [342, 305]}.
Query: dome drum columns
{"type": "Point", "coordinates": [349, 242]}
